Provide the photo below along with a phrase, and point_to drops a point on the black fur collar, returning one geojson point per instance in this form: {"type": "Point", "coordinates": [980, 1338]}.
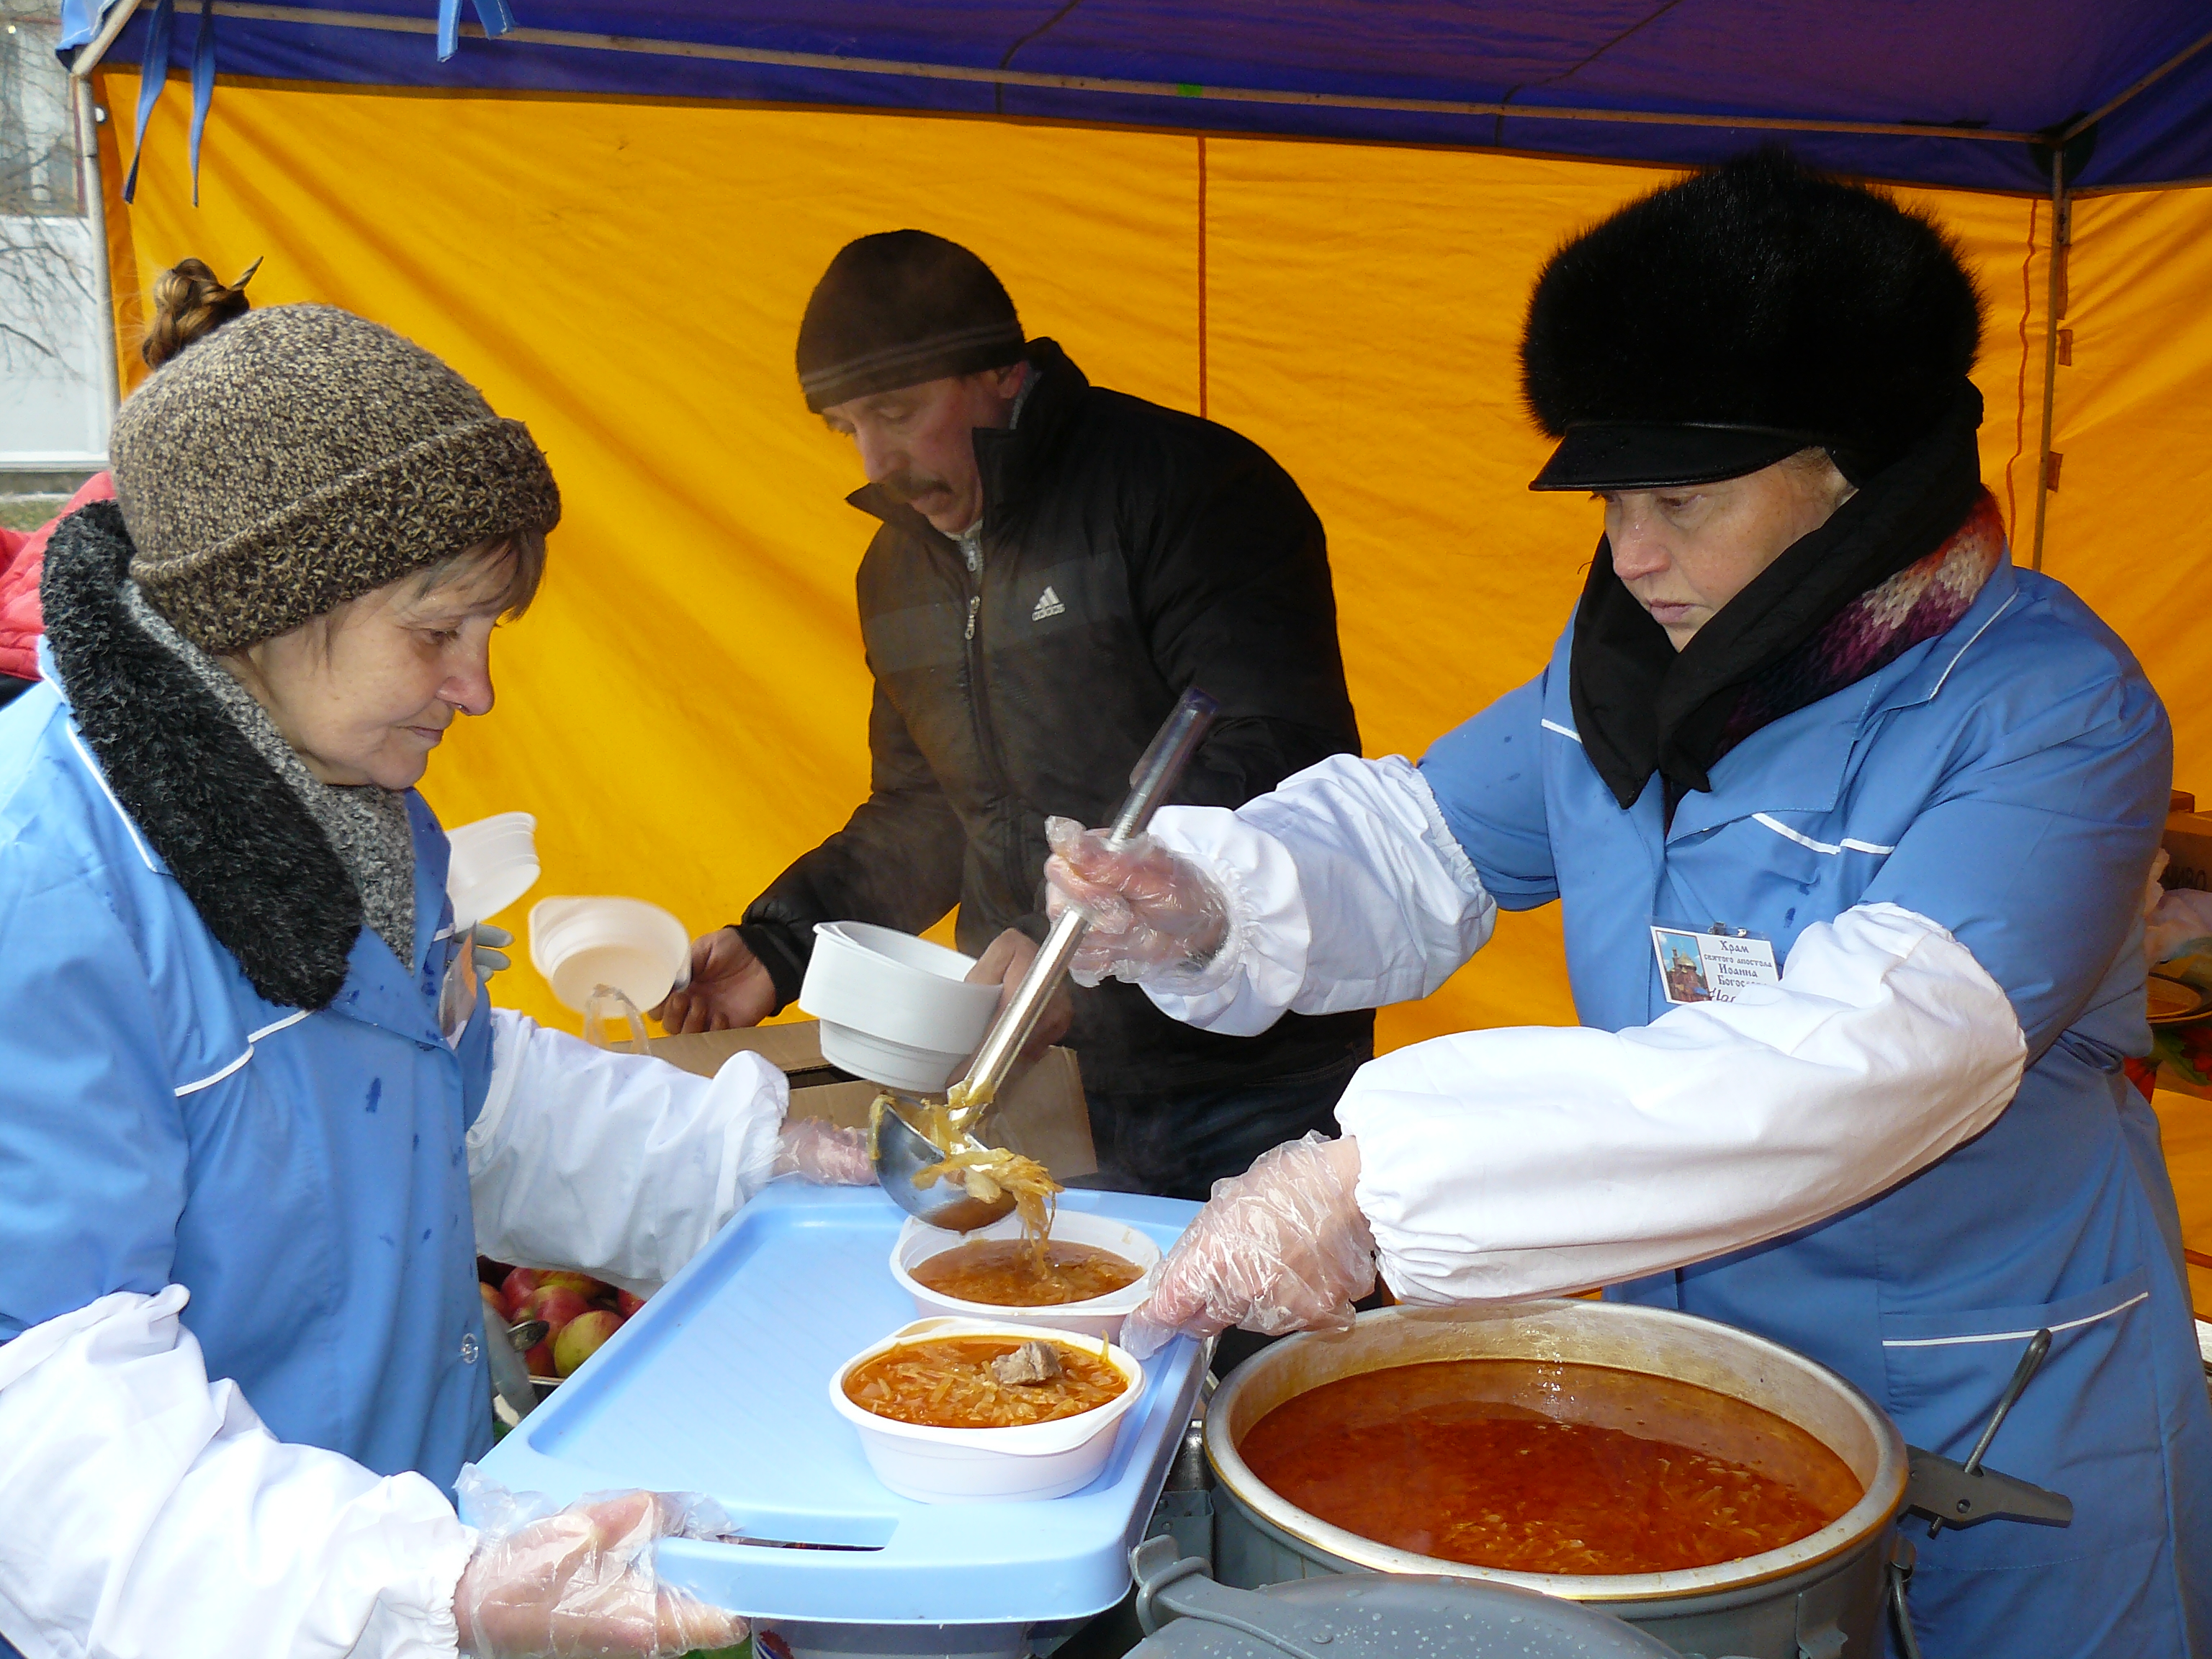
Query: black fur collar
{"type": "Point", "coordinates": [254, 862]}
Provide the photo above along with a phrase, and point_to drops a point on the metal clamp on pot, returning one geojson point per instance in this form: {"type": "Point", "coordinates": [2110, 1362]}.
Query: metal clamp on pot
{"type": "Point", "coordinates": [1965, 1494]}
{"type": "Point", "coordinates": [1952, 1494]}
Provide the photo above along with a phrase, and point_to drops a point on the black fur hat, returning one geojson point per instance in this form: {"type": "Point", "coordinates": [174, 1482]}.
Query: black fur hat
{"type": "Point", "coordinates": [1753, 310]}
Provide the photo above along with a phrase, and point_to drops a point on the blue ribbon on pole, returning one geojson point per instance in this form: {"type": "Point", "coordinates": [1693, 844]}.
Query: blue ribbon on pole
{"type": "Point", "coordinates": [495, 15]}
{"type": "Point", "coordinates": [202, 87]}
{"type": "Point", "coordinates": [153, 71]}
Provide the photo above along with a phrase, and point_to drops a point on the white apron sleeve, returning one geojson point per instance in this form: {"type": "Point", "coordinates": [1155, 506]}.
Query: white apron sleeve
{"type": "Point", "coordinates": [618, 1164]}
{"type": "Point", "coordinates": [1529, 1162]}
{"type": "Point", "coordinates": [146, 1513]}
{"type": "Point", "coordinates": [1346, 890]}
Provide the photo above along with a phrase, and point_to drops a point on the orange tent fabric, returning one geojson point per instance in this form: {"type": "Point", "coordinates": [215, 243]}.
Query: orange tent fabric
{"type": "Point", "coordinates": [684, 707]}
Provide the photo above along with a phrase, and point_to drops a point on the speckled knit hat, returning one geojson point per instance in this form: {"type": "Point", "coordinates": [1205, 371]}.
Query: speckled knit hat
{"type": "Point", "coordinates": [300, 456]}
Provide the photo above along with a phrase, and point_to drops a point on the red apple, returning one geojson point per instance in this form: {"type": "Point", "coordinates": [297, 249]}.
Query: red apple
{"type": "Point", "coordinates": [593, 1290]}
{"type": "Point", "coordinates": [580, 1339]}
{"type": "Point", "coordinates": [519, 1286]}
{"type": "Point", "coordinates": [626, 1304]}
{"type": "Point", "coordinates": [558, 1304]}
{"type": "Point", "coordinates": [538, 1362]}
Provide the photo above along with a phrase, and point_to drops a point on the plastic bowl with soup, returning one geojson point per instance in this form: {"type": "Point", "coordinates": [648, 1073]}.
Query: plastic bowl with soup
{"type": "Point", "coordinates": [938, 1426]}
{"type": "Point", "coordinates": [1100, 1269]}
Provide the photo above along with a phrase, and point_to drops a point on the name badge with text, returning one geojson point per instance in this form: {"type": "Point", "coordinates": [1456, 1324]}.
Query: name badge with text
{"type": "Point", "coordinates": [1718, 966]}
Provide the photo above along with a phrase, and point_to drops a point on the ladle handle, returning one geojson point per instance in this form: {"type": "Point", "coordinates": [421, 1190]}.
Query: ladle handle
{"type": "Point", "coordinates": [1150, 783]}
{"type": "Point", "coordinates": [1160, 767]}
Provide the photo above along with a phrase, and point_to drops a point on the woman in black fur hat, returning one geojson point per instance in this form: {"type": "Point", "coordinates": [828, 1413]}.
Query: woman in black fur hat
{"type": "Point", "coordinates": [1849, 818]}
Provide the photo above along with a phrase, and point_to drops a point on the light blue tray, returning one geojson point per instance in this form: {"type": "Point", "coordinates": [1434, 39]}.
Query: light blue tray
{"type": "Point", "coordinates": [720, 1384]}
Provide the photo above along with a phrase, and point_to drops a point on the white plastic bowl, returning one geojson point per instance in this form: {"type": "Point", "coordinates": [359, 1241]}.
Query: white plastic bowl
{"type": "Point", "coordinates": [1034, 1461]}
{"type": "Point", "coordinates": [893, 1009]}
{"type": "Point", "coordinates": [1102, 1315]}
{"type": "Point", "coordinates": [494, 863]}
{"type": "Point", "coordinates": [581, 943]}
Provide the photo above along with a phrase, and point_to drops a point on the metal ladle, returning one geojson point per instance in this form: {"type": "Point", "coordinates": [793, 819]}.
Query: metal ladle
{"type": "Point", "coordinates": [902, 1150]}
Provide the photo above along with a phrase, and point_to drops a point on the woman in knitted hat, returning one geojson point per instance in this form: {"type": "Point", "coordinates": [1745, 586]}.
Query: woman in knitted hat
{"type": "Point", "coordinates": [245, 1165]}
{"type": "Point", "coordinates": [1850, 819]}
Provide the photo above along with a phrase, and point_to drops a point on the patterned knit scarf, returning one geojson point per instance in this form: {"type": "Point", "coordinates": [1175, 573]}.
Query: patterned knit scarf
{"type": "Point", "coordinates": [1897, 562]}
{"type": "Point", "coordinates": [1920, 602]}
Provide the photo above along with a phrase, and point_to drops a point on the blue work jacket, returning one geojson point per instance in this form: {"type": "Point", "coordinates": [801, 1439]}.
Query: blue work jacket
{"type": "Point", "coordinates": [302, 1174]}
{"type": "Point", "coordinates": [2009, 780]}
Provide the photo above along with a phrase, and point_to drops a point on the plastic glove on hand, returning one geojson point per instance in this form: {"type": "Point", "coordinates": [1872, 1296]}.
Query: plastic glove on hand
{"type": "Point", "coordinates": [1281, 1248]}
{"type": "Point", "coordinates": [821, 1152]}
{"type": "Point", "coordinates": [1152, 913]}
{"type": "Point", "coordinates": [490, 950]}
{"type": "Point", "coordinates": [580, 1584]}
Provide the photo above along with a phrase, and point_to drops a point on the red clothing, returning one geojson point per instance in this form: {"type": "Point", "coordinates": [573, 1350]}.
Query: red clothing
{"type": "Point", "coordinates": [22, 556]}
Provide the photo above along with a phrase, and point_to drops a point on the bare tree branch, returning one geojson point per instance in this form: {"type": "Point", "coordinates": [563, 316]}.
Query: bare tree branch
{"type": "Point", "coordinates": [46, 292]}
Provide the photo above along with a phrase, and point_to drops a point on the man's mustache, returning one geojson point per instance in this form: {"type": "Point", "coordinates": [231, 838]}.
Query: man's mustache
{"type": "Point", "coordinates": [904, 485]}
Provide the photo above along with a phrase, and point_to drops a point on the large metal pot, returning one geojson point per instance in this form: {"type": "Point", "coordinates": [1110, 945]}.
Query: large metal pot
{"type": "Point", "coordinates": [1820, 1598]}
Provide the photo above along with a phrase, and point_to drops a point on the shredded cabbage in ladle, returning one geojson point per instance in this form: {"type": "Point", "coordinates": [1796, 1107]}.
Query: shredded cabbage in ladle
{"type": "Point", "coordinates": [988, 1173]}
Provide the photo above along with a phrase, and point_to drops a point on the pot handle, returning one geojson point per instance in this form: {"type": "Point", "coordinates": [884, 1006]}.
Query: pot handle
{"type": "Point", "coordinates": [1819, 1618]}
{"type": "Point", "coordinates": [1898, 1573]}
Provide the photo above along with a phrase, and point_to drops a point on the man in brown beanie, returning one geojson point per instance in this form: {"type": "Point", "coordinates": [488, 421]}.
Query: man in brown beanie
{"type": "Point", "coordinates": [1055, 563]}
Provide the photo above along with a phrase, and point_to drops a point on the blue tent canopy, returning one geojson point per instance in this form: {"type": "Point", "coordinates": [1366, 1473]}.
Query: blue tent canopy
{"type": "Point", "coordinates": [1935, 92]}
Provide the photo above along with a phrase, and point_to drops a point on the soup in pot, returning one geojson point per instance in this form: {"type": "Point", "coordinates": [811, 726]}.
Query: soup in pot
{"type": "Point", "coordinates": [1538, 1467]}
{"type": "Point", "coordinates": [1005, 1273]}
{"type": "Point", "coordinates": [952, 1382]}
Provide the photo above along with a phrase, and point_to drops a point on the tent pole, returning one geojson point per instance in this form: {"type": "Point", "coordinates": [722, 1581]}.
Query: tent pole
{"type": "Point", "coordinates": [2062, 236]}
{"type": "Point", "coordinates": [88, 55]}
{"type": "Point", "coordinates": [2075, 129]}
{"type": "Point", "coordinates": [95, 212]}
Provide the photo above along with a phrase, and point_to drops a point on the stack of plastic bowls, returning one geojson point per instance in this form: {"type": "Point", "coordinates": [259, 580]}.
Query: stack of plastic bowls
{"type": "Point", "coordinates": [494, 862]}
{"type": "Point", "coordinates": [581, 944]}
{"type": "Point", "coordinates": [895, 1009]}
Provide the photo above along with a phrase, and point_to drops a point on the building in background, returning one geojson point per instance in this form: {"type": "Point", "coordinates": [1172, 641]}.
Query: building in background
{"type": "Point", "coordinates": [53, 409]}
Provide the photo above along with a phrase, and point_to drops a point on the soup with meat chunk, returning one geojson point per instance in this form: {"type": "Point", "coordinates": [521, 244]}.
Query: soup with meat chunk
{"type": "Point", "coordinates": [1538, 1467]}
{"type": "Point", "coordinates": [1005, 1272]}
{"type": "Point", "coordinates": [950, 1382]}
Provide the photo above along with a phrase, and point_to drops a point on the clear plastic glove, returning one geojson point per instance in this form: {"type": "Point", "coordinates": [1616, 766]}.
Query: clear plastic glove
{"type": "Point", "coordinates": [580, 1583]}
{"type": "Point", "coordinates": [1152, 913]}
{"type": "Point", "coordinates": [490, 950]}
{"type": "Point", "coordinates": [819, 1152]}
{"type": "Point", "coordinates": [1281, 1248]}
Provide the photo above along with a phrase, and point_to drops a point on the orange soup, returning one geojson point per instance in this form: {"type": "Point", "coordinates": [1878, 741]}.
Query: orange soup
{"type": "Point", "coordinates": [948, 1383]}
{"type": "Point", "coordinates": [1543, 1467]}
{"type": "Point", "coordinates": [1005, 1272]}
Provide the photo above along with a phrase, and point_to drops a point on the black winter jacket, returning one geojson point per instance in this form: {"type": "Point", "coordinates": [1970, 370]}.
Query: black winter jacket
{"type": "Point", "coordinates": [1128, 551]}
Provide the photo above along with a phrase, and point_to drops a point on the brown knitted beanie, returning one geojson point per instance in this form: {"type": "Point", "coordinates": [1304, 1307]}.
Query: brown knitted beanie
{"type": "Point", "coordinates": [898, 308]}
{"type": "Point", "coordinates": [300, 456]}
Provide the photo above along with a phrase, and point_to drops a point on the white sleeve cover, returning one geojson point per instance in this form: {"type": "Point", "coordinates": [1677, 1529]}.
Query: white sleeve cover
{"type": "Point", "coordinates": [1529, 1162]}
{"type": "Point", "coordinates": [1346, 890]}
{"type": "Point", "coordinates": [146, 1513]}
{"type": "Point", "coordinates": [618, 1164]}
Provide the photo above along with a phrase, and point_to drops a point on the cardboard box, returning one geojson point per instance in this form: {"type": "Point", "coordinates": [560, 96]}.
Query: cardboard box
{"type": "Point", "coordinates": [2187, 843]}
{"type": "Point", "coordinates": [1040, 1112]}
